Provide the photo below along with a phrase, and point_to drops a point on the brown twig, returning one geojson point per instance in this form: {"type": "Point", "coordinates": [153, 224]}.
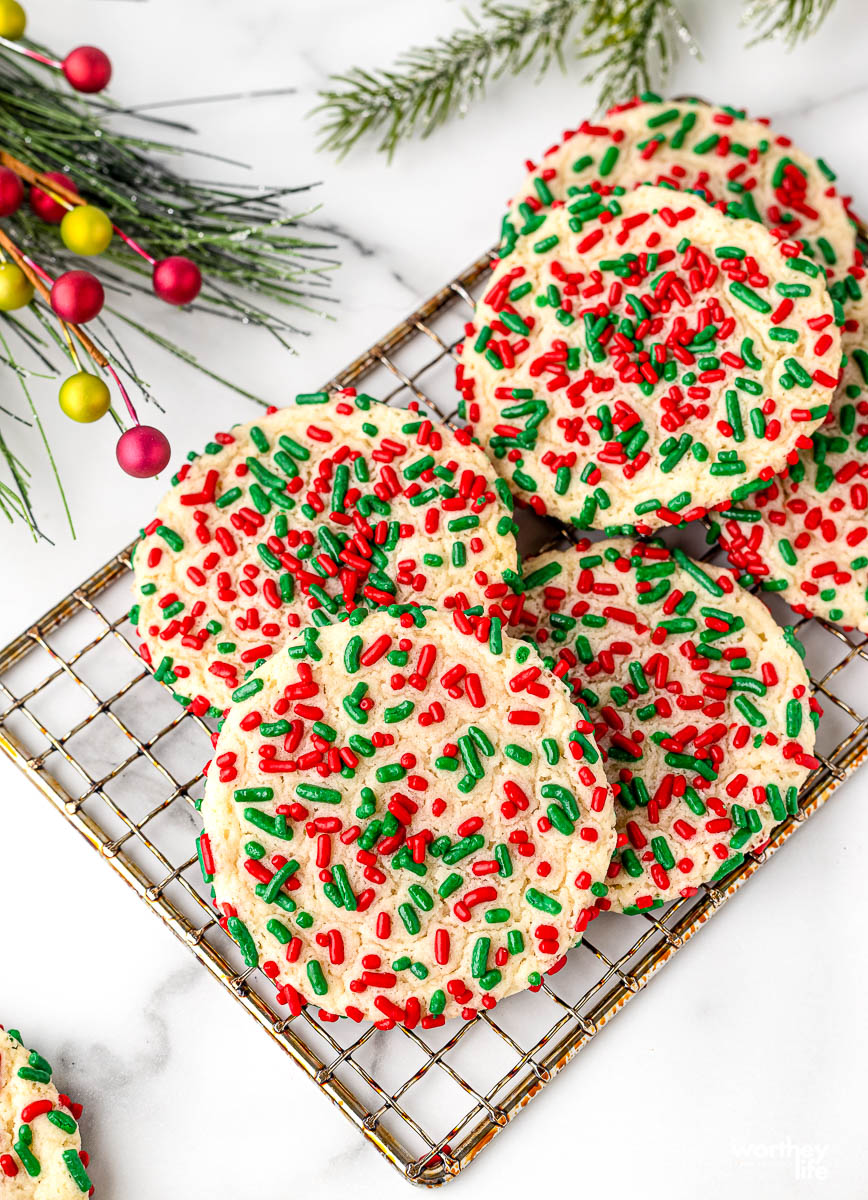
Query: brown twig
{"type": "Point", "coordinates": [40, 179]}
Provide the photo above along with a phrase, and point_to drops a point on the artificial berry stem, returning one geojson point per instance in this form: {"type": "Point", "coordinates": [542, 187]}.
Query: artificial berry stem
{"type": "Point", "coordinates": [36, 275]}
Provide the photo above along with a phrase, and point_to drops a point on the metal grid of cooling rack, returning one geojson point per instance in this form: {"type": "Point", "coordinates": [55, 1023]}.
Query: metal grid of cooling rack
{"type": "Point", "coordinates": [86, 722]}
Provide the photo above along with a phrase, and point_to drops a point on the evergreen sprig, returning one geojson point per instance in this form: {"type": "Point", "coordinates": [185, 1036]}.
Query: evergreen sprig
{"type": "Point", "coordinates": [635, 54]}
{"type": "Point", "coordinates": [428, 84]}
{"type": "Point", "coordinates": [631, 45]}
{"type": "Point", "coordinates": [791, 20]}
{"type": "Point", "coordinates": [259, 257]}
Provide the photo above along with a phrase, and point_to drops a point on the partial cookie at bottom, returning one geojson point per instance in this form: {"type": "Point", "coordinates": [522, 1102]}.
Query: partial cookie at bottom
{"type": "Point", "coordinates": [40, 1145]}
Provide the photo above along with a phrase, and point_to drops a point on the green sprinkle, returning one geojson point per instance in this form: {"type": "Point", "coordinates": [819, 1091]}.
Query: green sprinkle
{"type": "Point", "coordinates": [504, 861]}
{"type": "Point", "coordinates": [542, 576]}
{"type": "Point", "coordinates": [515, 941]}
{"type": "Point", "coordinates": [551, 751]}
{"type": "Point", "coordinates": [390, 773]}
{"type": "Point", "coordinates": [421, 897]}
{"type": "Point", "coordinates": [707, 143]}
{"type": "Point", "coordinates": [559, 819]}
{"type": "Point", "coordinates": [542, 901]}
{"type": "Point", "coordinates": [490, 979]}
{"type": "Point", "coordinates": [693, 569]}
{"type": "Point", "coordinates": [496, 916]}
{"type": "Point", "coordinates": [687, 762]}
{"type": "Point", "coordinates": [278, 879]}
{"type": "Point", "coordinates": [321, 795]}
{"type": "Point", "coordinates": [798, 372]}
{"type": "Point", "coordinates": [748, 296]}
{"type": "Point", "coordinates": [240, 934]}
{"type": "Point", "coordinates": [794, 718]}
{"type": "Point", "coordinates": [479, 957]}
{"type": "Point", "coordinates": [450, 884]}
{"type": "Point", "coordinates": [607, 162]}
{"type": "Point", "coordinates": [461, 849]}
{"type": "Point", "coordinates": [398, 712]}
{"type": "Point", "coordinates": [749, 711]}
{"type": "Point", "coordinates": [316, 977]}
{"type": "Point", "coordinates": [259, 795]}
{"type": "Point", "coordinates": [75, 1166]}
{"type": "Point", "coordinates": [62, 1120]}
{"type": "Point", "coordinates": [172, 539]}
{"type": "Point", "coordinates": [248, 689]}
{"type": "Point", "coordinates": [339, 874]}
{"type": "Point", "coordinates": [408, 915]}
{"type": "Point", "coordinates": [362, 745]}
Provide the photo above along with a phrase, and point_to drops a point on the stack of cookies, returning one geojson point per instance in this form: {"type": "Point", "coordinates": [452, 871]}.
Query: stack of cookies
{"type": "Point", "coordinates": [437, 763]}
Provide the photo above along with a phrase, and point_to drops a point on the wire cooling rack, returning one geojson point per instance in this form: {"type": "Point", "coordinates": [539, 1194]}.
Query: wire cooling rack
{"type": "Point", "coordinates": [115, 754]}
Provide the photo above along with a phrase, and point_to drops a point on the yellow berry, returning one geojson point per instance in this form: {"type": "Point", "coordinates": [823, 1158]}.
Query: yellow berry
{"type": "Point", "coordinates": [16, 290]}
{"type": "Point", "coordinates": [86, 229]}
{"type": "Point", "coordinates": [84, 397]}
{"type": "Point", "coordinates": [13, 20]}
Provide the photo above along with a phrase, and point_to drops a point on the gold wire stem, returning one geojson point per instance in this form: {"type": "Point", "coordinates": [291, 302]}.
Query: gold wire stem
{"type": "Point", "coordinates": [19, 259]}
{"type": "Point", "coordinates": [40, 179]}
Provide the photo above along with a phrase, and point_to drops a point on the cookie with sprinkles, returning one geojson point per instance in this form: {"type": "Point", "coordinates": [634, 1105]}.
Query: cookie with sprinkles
{"type": "Point", "coordinates": [740, 162]}
{"type": "Point", "coordinates": [40, 1144]}
{"type": "Point", "coordinates": [336, 500]}
{"type": "Point", "coordinates": [641, 366]}
{"type": "Point", "coordinates": [806, 536]}
{"type": "Point", "coordinates": [405, 818]}
{"type": "Point", "coordinates": [801, 535]}
{"type": "Point", "coordinates": [700, 703]}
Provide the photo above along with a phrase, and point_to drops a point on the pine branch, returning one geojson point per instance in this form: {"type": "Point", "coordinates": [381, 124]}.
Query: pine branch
{"type": "Point", "coordinates": [429, 84]}
{"type": "Point", "coordinates": [791, 20]}
{"type": "Point", "coordinates": [240, 235]}
{"type": "Point", "coordinates": [256, 251]}
{"type": "Point", "coordinates": [637, 47]}
{"type": "Point", "coordinates": [634, 41]}
{"type": "Point", "coordinates": [633, 44]}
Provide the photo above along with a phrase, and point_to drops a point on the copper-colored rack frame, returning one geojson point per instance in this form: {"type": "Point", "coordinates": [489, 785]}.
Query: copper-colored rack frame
{"type": "Point", "coordinates": [84, 644]}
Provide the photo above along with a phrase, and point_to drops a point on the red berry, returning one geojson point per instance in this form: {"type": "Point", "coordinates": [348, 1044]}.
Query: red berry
{"type": "Point", "coordinates": [143, 451]}
{"type": "Point", "coordinates": [87, 69]}
{"type": "Point", "coordinates": [11, 192]}
{"type": "Point", "coordinates": [77, 297]}
{"type": "Point", "coordinates": [177, 280]}
{"type": "Point", "coordinates": [44, 205]}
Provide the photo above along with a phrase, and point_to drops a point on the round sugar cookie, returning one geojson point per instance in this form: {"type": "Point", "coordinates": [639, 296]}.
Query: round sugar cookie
{"type": "Point", "coordinates": [40, 1145]}
{"type": "Point", "coordinates": [801, 536]}
{"type": "Point", "coordinates": [806, 536]}
{"type": "Point", "coordinates": [404, 822]}
{"type": "Point", "coordinates": [336, 500]}
{"type": "Point", "coordinates": [741, 162]}
{"type": "Point", "coordinates": [646, 368]}
{"type": "Point", "coordinates": [700, 702]}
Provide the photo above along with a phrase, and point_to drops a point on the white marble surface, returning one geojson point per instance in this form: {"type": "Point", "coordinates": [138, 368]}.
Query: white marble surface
{"type": "Point", "coordinates": [741, 1067]}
